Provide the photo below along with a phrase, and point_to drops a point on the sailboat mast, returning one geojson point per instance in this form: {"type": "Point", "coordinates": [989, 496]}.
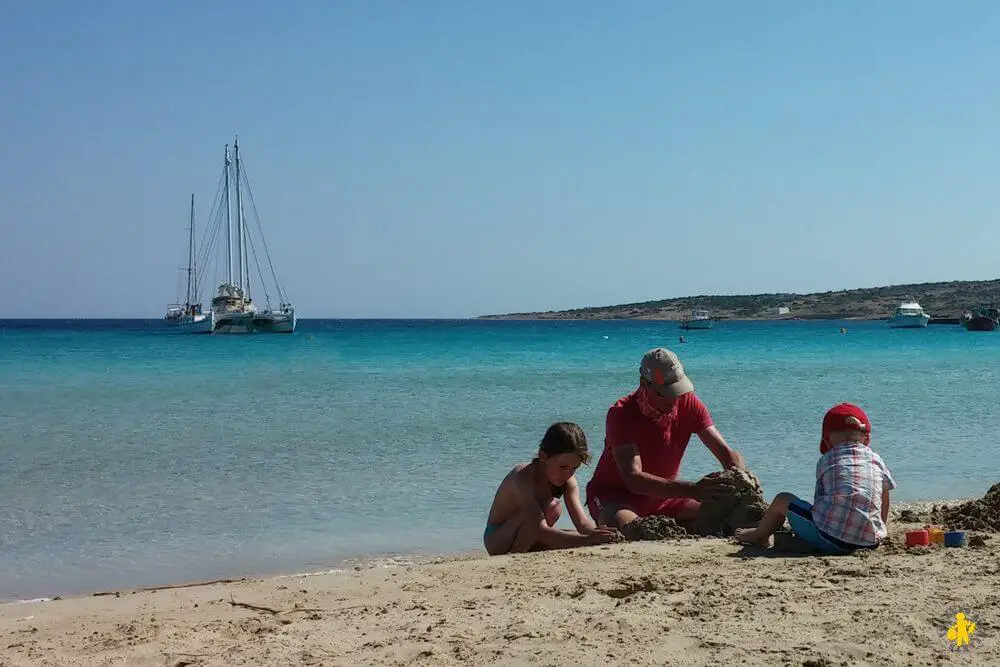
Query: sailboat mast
{"type": "Point", "coordinates": [190, 253]}
{"type": "Point", "coordinates": [246, 242]}
{"type": "Point", "coordinates": [245, 239]}
{"type": "Point", "coordinates": [241, 240]}
{"type": "Point", "coordinates": [229, 223]}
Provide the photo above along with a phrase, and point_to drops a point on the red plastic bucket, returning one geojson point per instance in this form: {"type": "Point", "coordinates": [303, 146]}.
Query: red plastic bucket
{"type": "Point", "coordinates": [917, 538]}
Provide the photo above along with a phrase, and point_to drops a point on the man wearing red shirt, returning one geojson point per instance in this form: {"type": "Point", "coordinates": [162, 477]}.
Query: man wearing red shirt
{"type": "Point", "coordinates": [646, 434]}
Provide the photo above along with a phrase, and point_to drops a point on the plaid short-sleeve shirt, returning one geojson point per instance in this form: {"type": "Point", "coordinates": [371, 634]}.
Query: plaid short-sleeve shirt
{"type": "Point", "coordinates": [848, 502]}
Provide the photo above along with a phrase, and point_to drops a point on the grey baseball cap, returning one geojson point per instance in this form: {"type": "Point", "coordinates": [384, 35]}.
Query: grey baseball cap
{"type": "Point", "coordinates": [664, 370]}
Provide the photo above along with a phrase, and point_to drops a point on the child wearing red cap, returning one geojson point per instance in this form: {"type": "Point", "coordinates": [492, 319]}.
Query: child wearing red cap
{"type": "Point", "coordinates": [851, 504]}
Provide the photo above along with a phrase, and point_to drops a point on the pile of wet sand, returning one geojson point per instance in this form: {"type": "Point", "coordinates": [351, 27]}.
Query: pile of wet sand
{"type": "Point", "coordinates": [742, 506]}
{"type": "Point", "coordinates": [982, 515]}
{"type": "Point", "coordinates": [653, 528]}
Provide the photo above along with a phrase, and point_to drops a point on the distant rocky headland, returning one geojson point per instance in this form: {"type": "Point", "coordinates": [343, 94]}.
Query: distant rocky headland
{"type": "Point", "coordinates": [939, 300]}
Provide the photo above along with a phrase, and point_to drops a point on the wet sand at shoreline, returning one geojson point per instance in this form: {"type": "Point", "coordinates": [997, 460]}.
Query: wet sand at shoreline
{"type": "Point", "coordinates": [693, 601]}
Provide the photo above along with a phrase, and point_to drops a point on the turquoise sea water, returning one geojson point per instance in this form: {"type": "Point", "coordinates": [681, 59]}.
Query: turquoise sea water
{"type": "Point", "coordinates": [134, 458]}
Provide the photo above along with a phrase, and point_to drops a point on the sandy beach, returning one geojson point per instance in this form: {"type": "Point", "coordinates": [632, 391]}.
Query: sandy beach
{"type": "Point", "coordinates": [703, 601]}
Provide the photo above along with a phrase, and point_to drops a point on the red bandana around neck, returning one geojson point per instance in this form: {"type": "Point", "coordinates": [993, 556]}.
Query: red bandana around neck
{"type": "Point", "coordinates": [649, 410]}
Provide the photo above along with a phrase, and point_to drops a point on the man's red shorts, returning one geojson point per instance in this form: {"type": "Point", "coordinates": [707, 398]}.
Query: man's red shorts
{"type": "Point", "coordinates": [641, 505]}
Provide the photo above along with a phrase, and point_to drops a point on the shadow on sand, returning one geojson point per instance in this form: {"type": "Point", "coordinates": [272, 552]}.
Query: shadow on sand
{"type": "Point", "coordinates": [786, 545]}
{"type": "Point", "coordinates": [760, 552]}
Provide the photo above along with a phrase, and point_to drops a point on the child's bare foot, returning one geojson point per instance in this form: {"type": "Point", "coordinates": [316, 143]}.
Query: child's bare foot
{"type": "Point", "coordinates": [750, 536]}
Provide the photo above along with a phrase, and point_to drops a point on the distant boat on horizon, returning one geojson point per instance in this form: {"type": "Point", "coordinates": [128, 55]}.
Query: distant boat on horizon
{"type": "Point", "coordinates": [985, 317]}
{"type": "Point", "coordinates": [232, 310]}
{"type": "Point", "coordinates": [909, 315]}
{"type": "Point", "coordinates": [699, 319]}
{"type": "Point", "coordinates": [188, 317]}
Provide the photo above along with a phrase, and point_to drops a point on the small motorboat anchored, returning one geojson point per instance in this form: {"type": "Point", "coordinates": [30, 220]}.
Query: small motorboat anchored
{"type": "Point", "coordinates": [700, 319]}
{"type": "Point", "coordinates": [909, 315]}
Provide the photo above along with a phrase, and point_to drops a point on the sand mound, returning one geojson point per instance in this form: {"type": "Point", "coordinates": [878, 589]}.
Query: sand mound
{"type": "Point", "coordinates": [982, 514]}
{"type": "Point", "coordinates": [743, 507]}
{"type": "Point", "coordinates": [653, 528]}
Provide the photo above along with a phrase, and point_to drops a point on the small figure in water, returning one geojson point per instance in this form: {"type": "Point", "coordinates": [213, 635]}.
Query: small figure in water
{"type": "Point", "coordinates": [682, 339]}
{"type": "Point", "coordinates": [526, 506]}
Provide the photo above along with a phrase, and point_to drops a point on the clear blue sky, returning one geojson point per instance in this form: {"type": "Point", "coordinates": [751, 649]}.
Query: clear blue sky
{"type": "Point", "coordinates": [449, 159]}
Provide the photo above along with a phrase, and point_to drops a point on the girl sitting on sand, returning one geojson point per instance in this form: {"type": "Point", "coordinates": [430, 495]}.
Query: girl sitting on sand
{"type": "Point", "coordinates": [526, 505]}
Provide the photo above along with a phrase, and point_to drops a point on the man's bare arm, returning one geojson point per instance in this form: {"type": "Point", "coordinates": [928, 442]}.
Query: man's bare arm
{"type": "Point", "coordinates": [646, 484]}
{"type": "Point", "coordinates": [726, 455]}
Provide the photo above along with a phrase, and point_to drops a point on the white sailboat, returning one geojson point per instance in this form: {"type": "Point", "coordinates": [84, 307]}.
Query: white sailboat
{"type": "Point", "coordinates": [233, 310]}
{"type": "Point", "coordinates": [187, 317]}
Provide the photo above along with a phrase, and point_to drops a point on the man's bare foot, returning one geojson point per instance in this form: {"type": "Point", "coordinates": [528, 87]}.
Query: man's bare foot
{"type": "Point", "coordinates": [750, 536]}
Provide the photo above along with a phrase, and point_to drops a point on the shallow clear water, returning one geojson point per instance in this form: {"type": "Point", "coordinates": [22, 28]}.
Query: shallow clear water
{"type": "Point", "coordinates": [136, 458]}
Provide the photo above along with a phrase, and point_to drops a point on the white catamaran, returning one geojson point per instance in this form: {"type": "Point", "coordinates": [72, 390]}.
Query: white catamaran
{"type": "Point", "coordinates": [232, 309]}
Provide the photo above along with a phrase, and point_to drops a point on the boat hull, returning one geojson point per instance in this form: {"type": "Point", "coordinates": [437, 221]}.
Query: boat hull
{"type": "Point", "coordinates": [909, 321]}
{"type": "Point", "coordinates": [249, 323]}
{"type": "Point", "coordinates": [696, 324]}
{"type": "Point", "coordinates": [201, 324]}
{"type": "Point", "coordinates": [981, 324]}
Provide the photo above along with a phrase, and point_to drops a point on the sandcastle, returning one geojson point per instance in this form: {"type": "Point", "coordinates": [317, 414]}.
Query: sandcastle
{"type": "Point", "coordinates": [742, 507]}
